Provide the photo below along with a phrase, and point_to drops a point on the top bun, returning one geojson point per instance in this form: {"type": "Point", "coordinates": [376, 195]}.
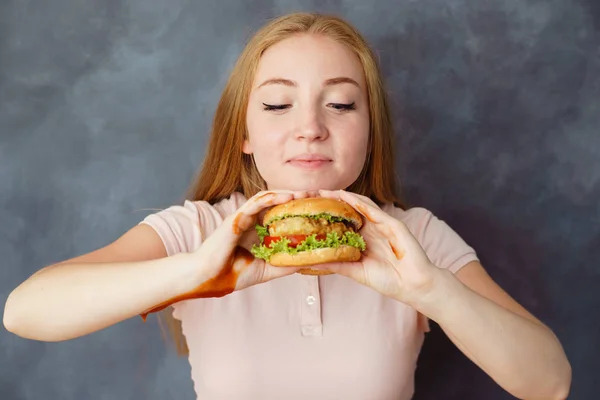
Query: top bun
{"type": "Point", "coordinates": [314, 206]}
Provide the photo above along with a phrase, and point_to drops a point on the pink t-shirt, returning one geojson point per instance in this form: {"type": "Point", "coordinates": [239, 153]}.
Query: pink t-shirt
{"type": "Point", "coordinates": [302, 337]}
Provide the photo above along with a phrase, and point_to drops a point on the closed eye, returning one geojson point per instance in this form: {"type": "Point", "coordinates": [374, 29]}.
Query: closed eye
{"type": "Point", "coordinates": [343, 107]}
{"type": "Point", "coordinates": [336, 106]}
{"type": "Point", "coordinates": [274, 107]}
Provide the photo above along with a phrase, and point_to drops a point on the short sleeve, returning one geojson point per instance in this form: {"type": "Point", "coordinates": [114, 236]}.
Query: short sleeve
{"type": "Point", "coordinates": [178, 226]}
{"type": "Point", "coordinates": [183, 228]}
{"type": "Point", "coordinates": [444, 247]}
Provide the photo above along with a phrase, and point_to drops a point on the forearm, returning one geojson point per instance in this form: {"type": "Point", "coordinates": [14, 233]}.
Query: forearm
{"type": "Point", "coordinates": [70, 300]}
{"type": "Point", "coordinates": [522, 356]}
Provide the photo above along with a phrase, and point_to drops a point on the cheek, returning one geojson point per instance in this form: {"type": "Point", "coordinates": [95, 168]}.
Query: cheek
{"type": "Point", "coordinates": [353, 145]}
{"type": "Point", "coordinates": [357, 152]}
{"type": "Point", "coordinates": [267, 143]}
{"type": "Point", "coordinates": [354, 139]}
{"type": "Point", "coordinates": [263, 133]}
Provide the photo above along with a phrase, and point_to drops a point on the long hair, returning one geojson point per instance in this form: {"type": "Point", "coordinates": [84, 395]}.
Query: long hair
{"type": "Point", "coordinates": [226, 169]}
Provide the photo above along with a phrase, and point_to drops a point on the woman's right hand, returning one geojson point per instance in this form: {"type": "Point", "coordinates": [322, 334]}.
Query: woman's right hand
{"type": "Point", "coordinates": [223, 263]}
{"type": "Point", "coordinates": [224, 260]}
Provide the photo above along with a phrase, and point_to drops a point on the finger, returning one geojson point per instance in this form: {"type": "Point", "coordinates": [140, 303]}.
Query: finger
{"type": "Point", "coordinates": [248, 239]}
{"type": "Point", "coordinates": [295, 196]}
{"type": "Point", "coordinates": [402, 241]}
{"type": "Point", "coordinates": [362, 198]}
{"type": "Point", "coordinates": [368, 209]}
{"type": "Point", "coordinates": [245, 217]}
{"type": "Point", "coordinates": [271, 272]}
{"type": "Point", "coordinates": [330, 194]}
{"type": "Point", "coordinates": [339, 194]}
{"type": "Point", "coordinates": [263, 200]}
{"type": "Point", "coordinates": [269, 198]}
{"type": "Point", "coordinates": [385, 224]}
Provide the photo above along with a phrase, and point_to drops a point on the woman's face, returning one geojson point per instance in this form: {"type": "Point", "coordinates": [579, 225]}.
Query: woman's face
{"type": "Point", "coordinates": [308, 115]}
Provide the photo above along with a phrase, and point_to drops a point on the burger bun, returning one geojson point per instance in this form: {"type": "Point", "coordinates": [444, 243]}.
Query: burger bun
{"type": "Point", "coordinates": [314, 257]}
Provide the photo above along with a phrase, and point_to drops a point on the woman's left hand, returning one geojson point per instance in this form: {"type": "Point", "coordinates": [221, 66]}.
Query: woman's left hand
{"type": "Point", "coordinates": [394, 263]}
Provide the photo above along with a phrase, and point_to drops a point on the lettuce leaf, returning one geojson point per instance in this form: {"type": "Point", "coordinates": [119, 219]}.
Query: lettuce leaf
{"type": "Point", "coordinates": [328, 217]}
{"type": "Point", "coordinates": [262, 232]}
{"type": "Point", "coordinates": [310, 243]}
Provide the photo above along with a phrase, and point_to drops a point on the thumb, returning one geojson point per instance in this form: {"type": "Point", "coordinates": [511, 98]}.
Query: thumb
{"type": "Point", "coordinates": [270, 272]}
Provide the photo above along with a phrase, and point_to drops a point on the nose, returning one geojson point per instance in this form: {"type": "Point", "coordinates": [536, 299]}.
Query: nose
{"type": "Point", "coordinates": [311, 127]}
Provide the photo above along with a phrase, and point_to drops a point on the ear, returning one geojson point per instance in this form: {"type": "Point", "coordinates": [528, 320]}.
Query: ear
{"type": "Point", "coordinates": [246, 148]}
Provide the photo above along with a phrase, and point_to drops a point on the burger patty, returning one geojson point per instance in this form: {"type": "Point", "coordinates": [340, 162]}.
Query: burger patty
{"type": "Point", "coordinates": [307, 226]}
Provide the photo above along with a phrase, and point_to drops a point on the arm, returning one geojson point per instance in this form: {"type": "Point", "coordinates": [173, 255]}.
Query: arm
{"type": "Point", "coordinates": [513, 347]}
{"type": "Point", "coordinates": [134, 275]}
{"type": "Point", "coordinates": [93, 291]}
{"type": "Point", "coordinates": [516, 350]}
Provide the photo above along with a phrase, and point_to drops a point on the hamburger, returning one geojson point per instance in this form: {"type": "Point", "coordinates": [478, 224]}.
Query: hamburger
{"type": "Point", "coordinates": [305, 232]}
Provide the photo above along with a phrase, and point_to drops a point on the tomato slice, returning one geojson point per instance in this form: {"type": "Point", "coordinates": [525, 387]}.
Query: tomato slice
{"type": "Point", "coordinates": [294, 239]}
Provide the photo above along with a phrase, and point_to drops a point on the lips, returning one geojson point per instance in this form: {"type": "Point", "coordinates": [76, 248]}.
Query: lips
{"type": "Point", "coordinates": [311, 157]}
{"type": "Point", "coordinates": [310, 161]}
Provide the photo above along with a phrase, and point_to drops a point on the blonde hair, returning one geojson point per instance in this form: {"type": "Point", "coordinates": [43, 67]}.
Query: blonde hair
{"type": "Point", "coordinates": [226, 169]}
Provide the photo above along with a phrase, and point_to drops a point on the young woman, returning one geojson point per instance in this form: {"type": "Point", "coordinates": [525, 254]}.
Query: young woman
{"type": "Point", "coordinates": [303, 114]}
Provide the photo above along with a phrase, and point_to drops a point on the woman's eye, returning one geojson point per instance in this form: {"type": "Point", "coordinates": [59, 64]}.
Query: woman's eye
{"type": "Point", "coordinates": [336, 106]}
{"type": "Point", "coordinates": [274, 107]}
{"type": "Point", "coordinates": [343, 107]}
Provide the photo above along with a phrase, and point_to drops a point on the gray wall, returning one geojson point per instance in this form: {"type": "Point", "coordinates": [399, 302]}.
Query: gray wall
{"type": "Point", "coordinates": [105, 107]}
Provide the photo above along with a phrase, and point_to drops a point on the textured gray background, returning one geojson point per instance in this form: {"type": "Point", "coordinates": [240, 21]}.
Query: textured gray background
{"type": "Point", "coordinates": [105, 106]}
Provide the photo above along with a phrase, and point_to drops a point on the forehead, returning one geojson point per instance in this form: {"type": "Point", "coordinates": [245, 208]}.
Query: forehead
{"type": "Point", "coordinates": [309, 58]}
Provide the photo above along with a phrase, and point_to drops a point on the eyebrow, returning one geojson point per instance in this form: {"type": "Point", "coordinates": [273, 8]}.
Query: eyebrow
{"type": "Point", "coordinates": [329, 82]}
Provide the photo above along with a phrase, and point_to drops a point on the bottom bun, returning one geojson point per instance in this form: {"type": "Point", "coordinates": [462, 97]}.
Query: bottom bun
{"type": "Point", "coordinates": [314, 257]}
{"type": "Point", "coordinates": [309, 271]}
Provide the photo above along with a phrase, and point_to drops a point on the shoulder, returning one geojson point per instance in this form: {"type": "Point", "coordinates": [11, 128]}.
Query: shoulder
{"type": "Point", "coordinates": [226, 206]}
{"type": "Point", "coordinates": [443, 245]}
{"type": "Point", "coordinates": [195, 211]}
{"type": "Point", "coordinates": [417, 219]}
{"type": "Point", "coordinates": [183, 227]}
